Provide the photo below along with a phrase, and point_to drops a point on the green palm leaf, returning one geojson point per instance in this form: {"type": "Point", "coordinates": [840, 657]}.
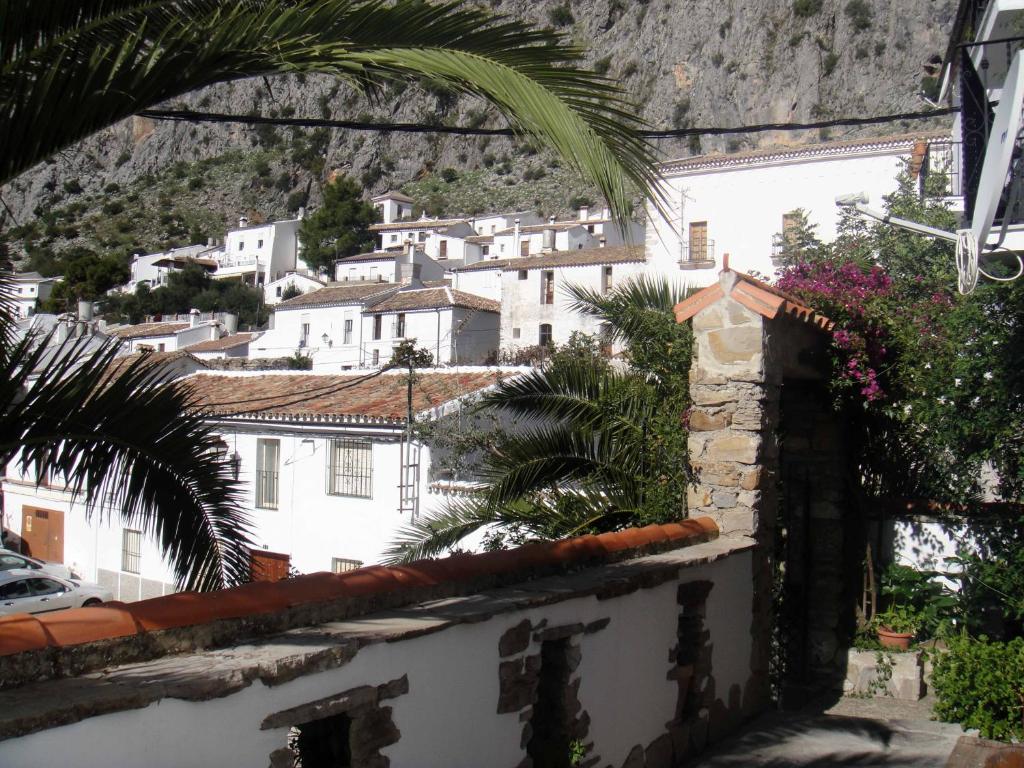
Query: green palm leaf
{"type": "Point", "coordinates": [129, 444]}
{"type": "Point", "coordinates": [96, 63]}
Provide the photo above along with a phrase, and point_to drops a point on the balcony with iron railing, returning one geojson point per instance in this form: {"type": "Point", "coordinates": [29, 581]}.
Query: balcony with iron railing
{"type": "Point", "coordinates": [699, 254]}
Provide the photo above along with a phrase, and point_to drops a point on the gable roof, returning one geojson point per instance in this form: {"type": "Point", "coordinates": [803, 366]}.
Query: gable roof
{"type": "Point", "coordinates": [558, 226]}
{"type": "Point", "coordinates": [416, 224]}
{"type": "Point", "coordinates": [368, 398]}
{"type": "Point", "coordinates": [148, 330]}
{"type": "Point", "coordinates": [767, 300]}
{"type": "Point", "coordinates": [433, 298]}
{"type": "Point", "coordinates": [337, 293]}
{"type": "Point", "coordinates": [397, 196]}
{"type": "Point", "coordinates": [372, 256]}
{"type": "Point", "coordinates": [223, 343]}
{"type": "Point", "coordinates": [806, 151]}
{"type": "Point", "coordinates": [584, 257]}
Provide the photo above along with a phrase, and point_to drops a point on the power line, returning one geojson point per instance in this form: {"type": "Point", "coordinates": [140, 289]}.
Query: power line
{"type": "Point", "coordinates": [190, 116]}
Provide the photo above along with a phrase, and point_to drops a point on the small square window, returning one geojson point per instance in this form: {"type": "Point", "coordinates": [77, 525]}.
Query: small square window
{"type": "Point", "coordinates": [259, 243]}
{"type": "Point", "coordinates": [523, 274]}
{"type": "Point", "coordinates": [516, 333]}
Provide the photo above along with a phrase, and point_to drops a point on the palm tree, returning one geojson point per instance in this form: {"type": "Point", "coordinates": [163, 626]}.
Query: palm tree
{"type": "Point", "coordinates": [604, 447]}
{"type": "Point", "coordinates": [121, 437]}
{"type": "Point", "coordinates": [69, 69]}
{"type": "Point", "coordinates": [72, 68]}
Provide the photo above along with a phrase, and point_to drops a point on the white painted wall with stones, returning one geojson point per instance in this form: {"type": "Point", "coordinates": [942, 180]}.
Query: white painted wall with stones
{"type": "Point", "coordinates": [448, 717]}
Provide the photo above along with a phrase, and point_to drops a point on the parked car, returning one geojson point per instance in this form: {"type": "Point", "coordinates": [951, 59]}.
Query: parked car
{"type": "Point", "coordinates": [33, 591]}
{"type": "Point", "coordinates": [10, 559]}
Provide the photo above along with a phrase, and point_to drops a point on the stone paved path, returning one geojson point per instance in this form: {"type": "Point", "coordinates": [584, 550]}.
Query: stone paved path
{"type": "Point", "coordinates": [851, 732]}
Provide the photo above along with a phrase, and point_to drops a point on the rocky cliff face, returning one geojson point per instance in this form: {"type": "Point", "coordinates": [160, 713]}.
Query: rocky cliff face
{"type": "Point", "coordinates": [685, 63]}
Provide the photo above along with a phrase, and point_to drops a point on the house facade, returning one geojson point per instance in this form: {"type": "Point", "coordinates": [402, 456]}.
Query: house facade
{"type": "Point", "coordinates": [535, 305]}
{"type": "Point", "coordinates": [275, 290]}
{"type": "Point", "coordinates": [328, 471]}
{"type": "Point", "coordinates": [740, 203]}
{"type": "Point", "coordinates": [30, 288]}
{"type": "Point", "coordinates": [258, 254]}
{"type": "Point", "coordinates": [173, 335]}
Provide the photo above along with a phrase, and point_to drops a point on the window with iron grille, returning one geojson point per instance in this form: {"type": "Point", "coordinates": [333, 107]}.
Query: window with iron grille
{"type": "Point", "coordinates": [267, 454]}
{"type": "Point", "coordinates": [547, 287]}
{"type": "Point", "coordinates": [545, 334]}
{"type": "Point", "coordinates": [348, 330]}
{"type": "Point", "coordinates": [131, 550]}
{"type": "Point", "coordinates": [350, 468]}
{"type": "Point", "coordinates": [344, 564]}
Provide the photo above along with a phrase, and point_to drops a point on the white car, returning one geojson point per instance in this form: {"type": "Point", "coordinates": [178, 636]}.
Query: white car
{"type": "Point", "coordinates": [10, 559]}
{"type": "Point", "coordinates": [31, 591]}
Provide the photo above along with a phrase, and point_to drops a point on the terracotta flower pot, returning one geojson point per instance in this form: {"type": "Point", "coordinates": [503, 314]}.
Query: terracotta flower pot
{"type": "Point", "coordinates": [890, 639]}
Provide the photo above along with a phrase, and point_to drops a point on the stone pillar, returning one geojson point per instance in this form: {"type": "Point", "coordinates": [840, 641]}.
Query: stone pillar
{"type": "Point", "coordinates": [733, 420]}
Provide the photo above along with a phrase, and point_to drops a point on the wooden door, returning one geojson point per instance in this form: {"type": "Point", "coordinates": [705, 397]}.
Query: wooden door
{"type": "Point", "coordinates": [269, 566]}
{"type": "Point", "coordinates": [42, 533]}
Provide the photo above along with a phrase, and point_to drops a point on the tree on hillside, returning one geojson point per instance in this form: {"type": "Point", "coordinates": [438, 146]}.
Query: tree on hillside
{"type": "Point", "coordinates": [339, 227]}
{"type": "Point", "coordinates": [71, 69]}
{"type": "Point", "coordinates": [600, 448]}
{"type": "Point", "coordinates": [87, 276]}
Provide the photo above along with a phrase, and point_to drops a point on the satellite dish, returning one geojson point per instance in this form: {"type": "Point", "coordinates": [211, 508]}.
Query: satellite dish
{"type": "Point", "coordinates": [999, 152]}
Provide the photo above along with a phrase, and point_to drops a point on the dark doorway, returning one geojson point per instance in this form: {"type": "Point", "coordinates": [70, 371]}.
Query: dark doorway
{"type": "Point", "coordinates": [551, 723]}
{"type": "Point", "coordinates": [322, 743]}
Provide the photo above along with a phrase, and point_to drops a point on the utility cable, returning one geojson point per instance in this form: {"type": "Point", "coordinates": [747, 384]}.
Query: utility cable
{"type": "Point", "coordinates": [191, 116]}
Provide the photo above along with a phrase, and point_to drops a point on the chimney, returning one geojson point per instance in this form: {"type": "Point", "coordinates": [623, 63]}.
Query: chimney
{"type": "Point", "coordinates": [408, 270]}
{"type": "Point", "coordinates": [602, 241]}
{"type": "Point", "coordinates": [210, 242]}
{"type": "Point", "coordinates": [63, 328]}
{"type": "Point", "coordinates": [243, 221]}
{"type": "Point", "coordinates": [584, 212]}
{"type": "Point", "coordinates": [85, 311]}
{"type": "Point", "coordinates": [515, 237]}
{"type": "Point", "coordinates": [230, 323]}
{"type": "Point", "coordinates": [302, 212]}
{"type": "Point", "coordinates": [194, 318]}
{"type": "Point", "coordinates": [548, 241]}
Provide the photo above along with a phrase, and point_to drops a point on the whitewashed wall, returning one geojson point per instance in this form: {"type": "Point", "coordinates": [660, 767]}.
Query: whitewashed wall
{"type": "Point", "coordinates": [448, 717]}
{"type": "Point", "coordinates": [743, 205]}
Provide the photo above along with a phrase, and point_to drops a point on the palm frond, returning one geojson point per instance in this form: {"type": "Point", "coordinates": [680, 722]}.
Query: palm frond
{"type": "Point", "coordinates": [627, 309]}
{"type": "Point", "coordinates": [130, 444]}
{"type": "Point", "coordinates": [95, 66]}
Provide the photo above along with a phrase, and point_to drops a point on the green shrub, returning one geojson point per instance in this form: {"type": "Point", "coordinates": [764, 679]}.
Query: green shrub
{"type": "Point", "coordinates": [804, 9]}
{"type": "Point", "coordinates": [561, 15]}
{"type": "Point", "coordinates": [601, 66]}
{"type": "Point", "coordinates": [449, 175]}
{"type": "Point", "coordinates": [860, 14]}
{"type": "Point", "coordinates": [829, 65]}
{"type": "Point", "coordinates": [300, 362]}
{"type": "Point", "coordinates": [72, 187]}
{"type": "Point", "coordinates": [980, 684]}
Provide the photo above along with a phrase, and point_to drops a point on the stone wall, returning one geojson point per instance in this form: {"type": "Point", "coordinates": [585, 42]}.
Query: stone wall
{"type": "Point", "coordinates": [249, 364]}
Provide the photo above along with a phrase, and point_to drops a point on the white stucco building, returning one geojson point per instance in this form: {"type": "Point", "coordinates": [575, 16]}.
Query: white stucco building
{"type": "Point", "coordinates": [29, 289]}
{"type": "Point", "coordinates": [273, 292]}
{"type": "Point", "coordinates": [385, 266]}
{"type": "Point", "coordinates": [154, 268]}
{"type": "Point", "coordinates": [532, 290]}
{"type": "Point", "coordinates": [328, 475]}
{"type": "Point", "coordinates": [172, 334]}
{"type": "Point", "coordinates": [738, 203]}
{"type": "Point", "coordinates": [258, 254]}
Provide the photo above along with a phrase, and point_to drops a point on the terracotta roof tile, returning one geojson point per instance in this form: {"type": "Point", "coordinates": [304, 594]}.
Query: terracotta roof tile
{"type": "Point", "coordinates": [147, 330]}
{"type": "Point", "coordinates": [619, 254]}
{"type": "Point", "coordinates": [337, 293]}
{"type": "Point", "coordinates": [309, 397]}
{"type": "Point", "coordinates": [767, 300]}
{"type": "Point", "coordinates": [820, 149]}
{"type": "Point", "coordinates": [21, 633]}
{"type": "Point", "coordinates": [225, 342]}
{"type": "Point", "coordinates": [483, 239]}
{"type": "Point", "coordinates": [416, 224]}
{"type": "Point", "coordinates": [433, 298]}
{"type": "Point", "coordinates": [121, 363]}
{"type": "Point", "coordinates": [372, 256]}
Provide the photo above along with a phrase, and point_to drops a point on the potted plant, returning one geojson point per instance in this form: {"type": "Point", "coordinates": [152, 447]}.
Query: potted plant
{"type": "Point", "coordinates": [896, 627]}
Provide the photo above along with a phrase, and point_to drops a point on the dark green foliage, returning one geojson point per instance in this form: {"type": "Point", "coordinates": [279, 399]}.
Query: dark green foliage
{"type": "Point", "coordinates": [533, 174]}
{"type": "Point", "coordinates": [602, 65]}
{"type": "Point", "coordinates": [561, 15]}
{"type": "Point", "coordinates": [340, 227]}
{"type": "Point", "coordinates": [680, 113]}
{"type": "Point", "coordinates": [189, 288]}
{"type": "Point", "coordinates": [86, 276]}
{"type": "Point", "coordinates": [980, 684]}
{"type": "Point", "coordinates": [804, 9]}
{"type": "Point", "coordinates": [603, 449]}
{"type": "Point", "coordinates": [449, 175]}
{"type": "Point", "coordinates": [828, 65]}
{"type": "Point", "coordinates": [290, 292]}
{"type": "Point", "coordinates": [922, 595]}
{"type": "Point", "coordinates": [860, 14]}
{"type": "Point", "coordinates": [300, 362]}
{"type": "Point", "coordinates": [930, 87]}
{"type": "Point", "coordinates": [72, 187]}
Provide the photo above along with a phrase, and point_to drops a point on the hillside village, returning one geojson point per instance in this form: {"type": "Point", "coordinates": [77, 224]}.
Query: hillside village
{"type": "Point", "coordinates": [734, 477]}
